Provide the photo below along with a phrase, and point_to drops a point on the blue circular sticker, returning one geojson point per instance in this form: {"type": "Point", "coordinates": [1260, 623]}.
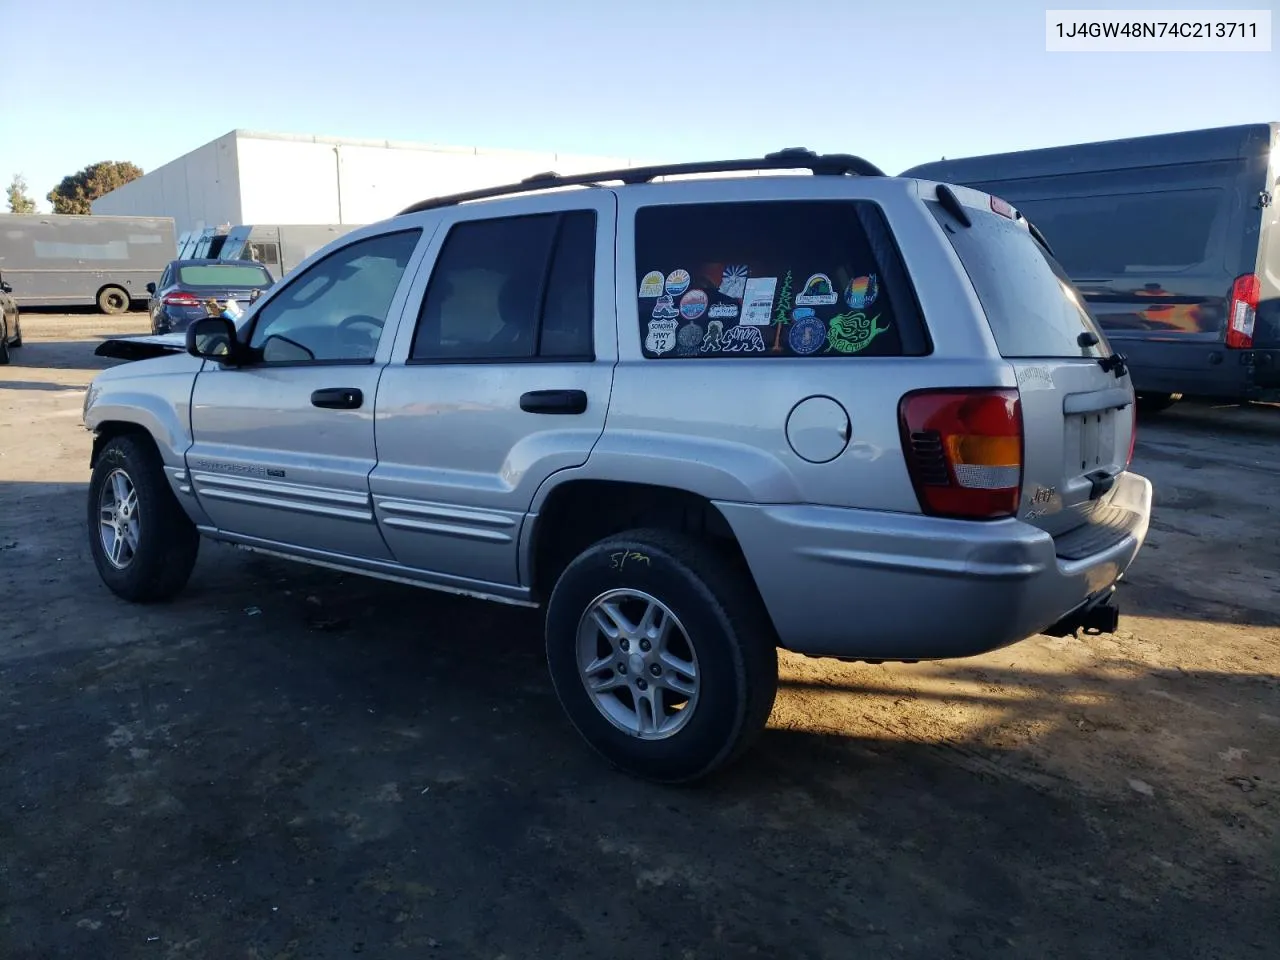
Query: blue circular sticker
{"type": "Point", "coordinates": [677, 282]}
{"type": "Point", "coordinates": [807, 335]}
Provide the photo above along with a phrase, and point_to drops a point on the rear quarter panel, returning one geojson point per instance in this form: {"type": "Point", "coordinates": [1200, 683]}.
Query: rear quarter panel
{"type": "Point", "coordinates": [717, 427]}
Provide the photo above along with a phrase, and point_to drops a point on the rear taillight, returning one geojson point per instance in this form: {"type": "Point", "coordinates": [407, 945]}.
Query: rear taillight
{"type": "Point", "coordinates": [1242, 311]}
{"type": "Point", "coordinates": [964, 451]}
{"type": "Point", "coordinates": [181, 300]}
{"type": "Point", "coordinates": [1001, 207]}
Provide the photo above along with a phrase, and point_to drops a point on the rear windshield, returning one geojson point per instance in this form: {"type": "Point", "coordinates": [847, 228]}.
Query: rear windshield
{"type": "Point", "coordinates": [1031, 304]}
{"type": "Point", "coordinates": [222, 276]}
{"type": "Point", "coordinates": [773, 279]}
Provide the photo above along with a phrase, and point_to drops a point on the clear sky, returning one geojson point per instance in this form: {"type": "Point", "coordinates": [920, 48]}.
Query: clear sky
{"type": "Point", "coordinates": [898, 82]}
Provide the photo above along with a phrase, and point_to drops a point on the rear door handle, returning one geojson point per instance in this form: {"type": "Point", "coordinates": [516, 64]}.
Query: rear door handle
{"type": "Point", "coordinates": [554, 401]}
{"type": "Point", "coordinates": [338, 398]}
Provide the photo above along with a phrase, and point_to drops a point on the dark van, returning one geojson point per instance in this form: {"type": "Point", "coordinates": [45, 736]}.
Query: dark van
{"type": "Point", "coordinates": [1173, 239]}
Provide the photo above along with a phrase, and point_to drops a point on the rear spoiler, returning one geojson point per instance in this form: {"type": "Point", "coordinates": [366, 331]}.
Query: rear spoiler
{"type": "Point", "coordinates": [952, 203]}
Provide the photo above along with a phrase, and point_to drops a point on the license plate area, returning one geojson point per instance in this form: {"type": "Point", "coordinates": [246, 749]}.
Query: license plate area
{"type": "Point", "coordinates": [1090, 442]}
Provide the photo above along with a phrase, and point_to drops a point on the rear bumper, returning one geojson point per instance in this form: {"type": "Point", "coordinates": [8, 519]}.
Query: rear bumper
{"type": "Point", "coordinates": [869, 585]}
{"type": "Point", "coordinates": [1200, 369]}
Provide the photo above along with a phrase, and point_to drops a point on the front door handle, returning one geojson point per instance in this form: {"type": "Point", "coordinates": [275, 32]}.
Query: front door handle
{"type": "Point", "coordinates": [554, 401]}
{"type": "Point", "coordinates": [338, 398]}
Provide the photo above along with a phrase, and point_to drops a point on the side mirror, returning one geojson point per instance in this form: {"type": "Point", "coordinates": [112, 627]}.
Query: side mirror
{"type": "Point", "coordinates": [151, 288]}
{"type": "Point", "coordinates": [213, 338]}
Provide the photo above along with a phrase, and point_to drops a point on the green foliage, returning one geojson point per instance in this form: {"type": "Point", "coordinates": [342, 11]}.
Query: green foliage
{"type": "Point", "coordinates": [19, 202]}
{"type": "Point", "coordinates": [783, 312]}
{"type": "Point", "coordinates": [76, 192]}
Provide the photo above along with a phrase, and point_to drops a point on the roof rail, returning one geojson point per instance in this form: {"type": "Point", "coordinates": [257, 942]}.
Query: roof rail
{"type": "Point", "coordinates": [792, 158]}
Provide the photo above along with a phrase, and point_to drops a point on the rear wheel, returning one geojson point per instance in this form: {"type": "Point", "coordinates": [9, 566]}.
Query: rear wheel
{"type": "Point", "coordinates": [113, 300]}
{"type": "Point", "coordinates": [143, 543]}
{"type": "Point", "coordinates": [1155, 402]}
{"type": "Point", "coordinates": [661, 653]}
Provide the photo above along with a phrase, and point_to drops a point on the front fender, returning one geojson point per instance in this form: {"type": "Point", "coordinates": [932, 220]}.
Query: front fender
{"type": "Point", "coordinates": [152, 395]}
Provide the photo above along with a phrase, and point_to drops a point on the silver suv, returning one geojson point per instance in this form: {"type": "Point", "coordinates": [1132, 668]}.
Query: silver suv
{"type": "Point", "coordinates": [847, 414]}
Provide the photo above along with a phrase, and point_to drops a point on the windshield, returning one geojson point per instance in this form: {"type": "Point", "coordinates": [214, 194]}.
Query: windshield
{"type": "Point", "coordinates": [224, 276]}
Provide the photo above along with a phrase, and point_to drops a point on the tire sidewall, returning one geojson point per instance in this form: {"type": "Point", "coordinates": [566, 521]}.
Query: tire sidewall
{"type": "Point", "coordinates": [719, 714]}
{"type": "Point", "coordinates": [105, 298]}
{"type": "Point", "coordinates": [124, 455]}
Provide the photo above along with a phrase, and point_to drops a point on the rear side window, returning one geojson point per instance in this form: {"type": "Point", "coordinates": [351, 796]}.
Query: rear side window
{"type": "Point", "coordinates": [511, 288]}
{"type": "Point", "coordinates": [773, 279]}
{"type": "Point", "coordinates": [1109, 236]}
{"type": "Point", "coordinates": [1032, 306]}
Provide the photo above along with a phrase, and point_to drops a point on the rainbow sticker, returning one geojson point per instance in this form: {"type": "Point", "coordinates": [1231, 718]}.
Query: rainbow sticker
{"type": "Point", "coordinates": [861, 292]}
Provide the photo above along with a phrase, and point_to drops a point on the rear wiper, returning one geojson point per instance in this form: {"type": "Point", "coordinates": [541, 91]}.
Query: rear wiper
{"type": "Point", "coordinates": [1117, 363]}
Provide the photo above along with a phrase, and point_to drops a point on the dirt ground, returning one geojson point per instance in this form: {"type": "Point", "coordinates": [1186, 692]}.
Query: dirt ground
{"type": "Point", "coordinates": [289, 763]}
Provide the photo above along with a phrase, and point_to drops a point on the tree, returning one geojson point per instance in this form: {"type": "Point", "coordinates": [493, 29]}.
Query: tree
{"type": "Point", "coordinates": [19, 202]}
{"type": "Point", "coordinates": [76, 192]}
{"type": "Point", "coordinates": [782, 316]}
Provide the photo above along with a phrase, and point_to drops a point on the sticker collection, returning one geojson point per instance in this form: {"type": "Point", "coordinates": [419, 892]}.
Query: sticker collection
{"type": "Point", "coordinates": [728, 311]}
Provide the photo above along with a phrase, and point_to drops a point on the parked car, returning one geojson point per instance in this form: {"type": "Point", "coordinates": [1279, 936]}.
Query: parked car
{"type": "Point", "coordinates": [852, 415]}
{"type": "Point", "coordinates": [10, 322]}
{"type": "Point", "coordinates": [186, 285]}
{"type": "Point", "coordinates": [1175, 242]}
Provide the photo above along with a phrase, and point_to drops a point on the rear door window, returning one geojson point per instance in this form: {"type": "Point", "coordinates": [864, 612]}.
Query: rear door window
{"type": "Point", "coordinates": [1031, 304]}
{"type": "Point", "coordinates": [511, 289]}
{"type": "Point", "coordinates": [773, 279]}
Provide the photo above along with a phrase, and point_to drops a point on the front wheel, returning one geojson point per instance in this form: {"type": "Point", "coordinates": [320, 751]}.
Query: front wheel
{"type": "Point", "coordinates": [661, 654]}
{"type": "Point", "coordinates": [143, 543]}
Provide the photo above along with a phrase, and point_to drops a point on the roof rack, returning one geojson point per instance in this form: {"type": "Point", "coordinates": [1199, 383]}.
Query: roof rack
{"type": "Point", "coordinates": [792, 158]}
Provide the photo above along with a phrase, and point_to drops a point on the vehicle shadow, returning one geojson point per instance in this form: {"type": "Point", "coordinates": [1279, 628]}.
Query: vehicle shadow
{"type": "Point", "coordinates": [289, 760]}
{"type": "Point", "coordinates": [138, 306]}
{"type": "Point", "coordinates": [40, 385]}
{"type": "Point", "coordinates": [58, 355]}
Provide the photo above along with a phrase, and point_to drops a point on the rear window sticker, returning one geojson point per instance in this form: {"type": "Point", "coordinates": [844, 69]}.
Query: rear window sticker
{"type": "Point", "coordinates": [689, 339]}
{"type": "Point", "coordinates": [861, 292]}
{"type": "Point", "coordinates": [651, 285]}
{"type": "Point", "coordinates": [662, 335]}
{"type": "Point", "coordinates": [665, 308]}
{"type": "Point", "coordinates": [782, 315]}
{"type": "Point", "coordinates": [693, 304]}
{"type": "Point", "coordinates": [817, 292]}
{"type": "Point", "coordinates": [808, 334]}
{"type": "Point", "coordinates": [723, 311]}
{"type": "Point", "coordinates": [742, 340]}
{"type": "Point", "coordinates": [715, 336]}
{"type": "Point", "coordinates": [757, 301]}
{"type": "Point", "coordinates": [853, 332]}
{"type": "Point", "coordinates": [733, 282]}
{"type": "Point", "coordinates": [677, 282]}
